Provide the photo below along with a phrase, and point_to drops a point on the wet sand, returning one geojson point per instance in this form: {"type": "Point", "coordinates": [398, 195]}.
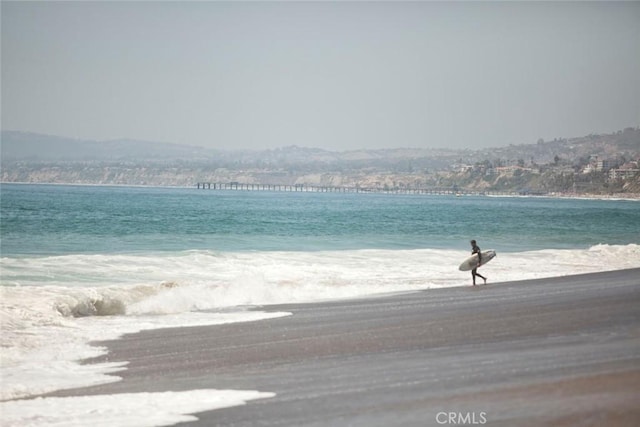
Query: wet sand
{"type": "Point", "coordinates": [548, 352]}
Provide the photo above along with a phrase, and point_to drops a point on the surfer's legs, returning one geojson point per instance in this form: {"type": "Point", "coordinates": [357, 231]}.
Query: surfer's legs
{"type": "Point", "coordinates": [475, 273]}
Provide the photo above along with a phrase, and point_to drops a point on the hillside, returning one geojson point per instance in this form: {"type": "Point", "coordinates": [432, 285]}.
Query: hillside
{"type": "Point", "coordinates": [543, 167]}
{"type": "Point", "coordinates": [16, 146]}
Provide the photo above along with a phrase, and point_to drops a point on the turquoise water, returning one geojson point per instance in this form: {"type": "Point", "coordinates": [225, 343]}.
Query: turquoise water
{"type": "Point", "coordinates": [50, 220]}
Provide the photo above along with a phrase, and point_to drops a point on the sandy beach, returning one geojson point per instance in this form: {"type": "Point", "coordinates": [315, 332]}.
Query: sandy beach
{"type": "Point", "coordinates": [555, 352]}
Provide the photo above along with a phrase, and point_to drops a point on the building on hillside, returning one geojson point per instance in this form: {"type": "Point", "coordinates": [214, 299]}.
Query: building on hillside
{"type": "Point", "coordinates": [626, 171]}
{"type": "Point", "coordinates": [604, 165]}
{"type": "Point", "coordinates": [510, 170]}
{"type": "Point", "coordinates": [598, 165]}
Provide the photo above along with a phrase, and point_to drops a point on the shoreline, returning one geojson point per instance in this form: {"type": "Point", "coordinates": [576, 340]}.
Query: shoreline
{"type": "Point", "coordinates": [631, 197]}
{"type": "Point", "coordinates": [554, 351]}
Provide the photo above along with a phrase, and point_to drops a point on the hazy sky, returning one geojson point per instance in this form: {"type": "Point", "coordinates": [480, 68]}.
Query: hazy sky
{"type": "Point", "coordinates": [339, 76]}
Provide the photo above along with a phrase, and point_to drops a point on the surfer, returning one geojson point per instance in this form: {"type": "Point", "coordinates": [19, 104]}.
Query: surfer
{"type": "Point", "coordinates": [475, 249]}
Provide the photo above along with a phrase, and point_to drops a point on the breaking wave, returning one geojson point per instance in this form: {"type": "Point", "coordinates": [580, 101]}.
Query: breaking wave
{"type": "Point", "coordinates": [52, 307]}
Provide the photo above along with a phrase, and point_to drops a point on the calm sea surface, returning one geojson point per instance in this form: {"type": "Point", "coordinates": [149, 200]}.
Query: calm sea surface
{"type": "Point", "coordinates": [55, 220]}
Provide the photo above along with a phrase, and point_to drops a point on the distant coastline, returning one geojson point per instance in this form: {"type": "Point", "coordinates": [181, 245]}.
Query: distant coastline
{"type": "Point", "coordinates": [605, 166]}
{"type": "Point", "coordinates": [634, 197]}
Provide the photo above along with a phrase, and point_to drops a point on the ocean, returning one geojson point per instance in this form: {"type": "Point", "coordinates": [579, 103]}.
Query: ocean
{"type": "Point", "coordinates": [90, 263]}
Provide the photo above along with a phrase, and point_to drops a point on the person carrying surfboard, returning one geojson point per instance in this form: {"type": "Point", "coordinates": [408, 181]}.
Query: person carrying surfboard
{"type": "Point", "coordinates": [475, 249]}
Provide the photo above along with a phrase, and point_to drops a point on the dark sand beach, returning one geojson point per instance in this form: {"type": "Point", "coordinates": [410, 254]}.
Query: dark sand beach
{"type": "Point", "coordinates": [547, 352]}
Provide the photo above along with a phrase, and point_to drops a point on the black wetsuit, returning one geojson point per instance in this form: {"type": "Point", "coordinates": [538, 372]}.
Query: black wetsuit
{"type": "Point", "coordinates": [475, 249]}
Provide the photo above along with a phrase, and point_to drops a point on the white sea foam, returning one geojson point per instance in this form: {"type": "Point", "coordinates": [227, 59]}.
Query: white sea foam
{"type": "Point", "coordinates": [42, 356]}
{"type": "Point", "coordinates": [127, 409]}
{"type": "Point", "coordinates": [51, 307]}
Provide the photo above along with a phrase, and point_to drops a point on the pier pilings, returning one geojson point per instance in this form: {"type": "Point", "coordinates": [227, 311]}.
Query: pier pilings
{"type": "Point", "coordinates": [238, 186]}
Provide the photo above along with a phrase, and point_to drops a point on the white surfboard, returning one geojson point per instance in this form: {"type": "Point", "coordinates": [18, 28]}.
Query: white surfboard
{"type": "Point", "coordinates": [472, 262]}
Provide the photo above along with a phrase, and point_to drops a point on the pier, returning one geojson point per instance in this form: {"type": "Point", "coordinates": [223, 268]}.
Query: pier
{"type": "Point", "coordinates": [276, 187]}
{"type": "Point", "coordinates": [238, 186]}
